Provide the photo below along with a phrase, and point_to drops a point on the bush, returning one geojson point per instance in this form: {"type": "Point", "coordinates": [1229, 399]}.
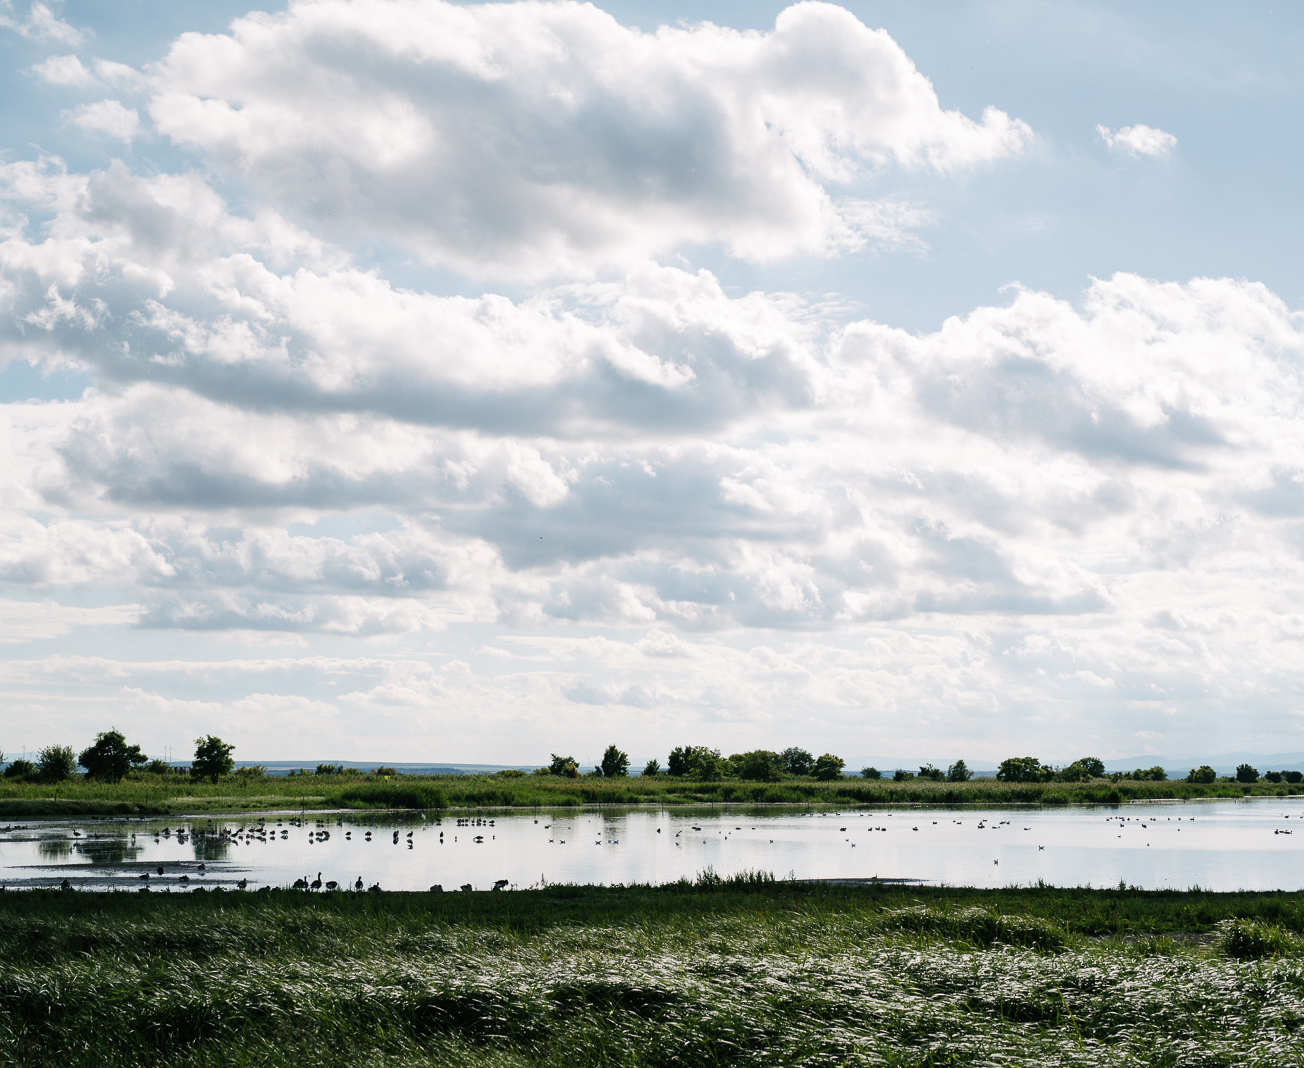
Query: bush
{"type": "Point", "coordinates": [901, 775]}
{"type": "Point", "coordinates": [20, 769]}
{"type": "Point", "coordinates": [760, 765]}
{"type": "Point", "coordinates": [1272, 776]}
{"type": "Point", "coordinates": [797, 761]}
{"type": "Point", "coordinates": [870, 773]}
{"type": "Point", "coordinates": [252, 771]}
{"type": "Point", "coordinates": [1253, 939]}
{"type": "Point", "coordinates": [329, 769]}
{"type": "Point", "coordinates": [509, 773]}
{"type": "Point", "coordinates": [1202, 774]}
{"type": "Point", "coordinates": [157, 767]}
{"type": "Point", "coordinates": [652, 768]}
{"type": "Point", "coordinates": [56, 763]}
{"type": "Point", "coordinates": [383, 772]}
{"type": "Point", "coordinates": [958, 772]}
{"type": "Point", "coordinates": [564, 766]}
{"type": "Point", "coordinates": [1293, 777]}
{"type": "Point", "coordinates": [1245, 773]}
{"type": "Point", "coordinates": [1023, 769]}
{"type": "Point", "coordinates": [931, 773]}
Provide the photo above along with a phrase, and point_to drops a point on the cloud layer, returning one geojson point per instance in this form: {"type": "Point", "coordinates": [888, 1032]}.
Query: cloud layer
{"type": "Point", "coordinates": [626, 493]}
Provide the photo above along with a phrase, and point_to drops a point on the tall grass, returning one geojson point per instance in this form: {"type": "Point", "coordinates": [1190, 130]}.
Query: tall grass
{"type": "Point", "coordinates": [746, 971]}
{"type": "Point", "coordinates": [162, 795]}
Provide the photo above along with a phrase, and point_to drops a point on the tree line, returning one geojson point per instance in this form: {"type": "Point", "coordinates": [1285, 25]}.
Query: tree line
{"type": "Point", "coordinates": [111, 758]}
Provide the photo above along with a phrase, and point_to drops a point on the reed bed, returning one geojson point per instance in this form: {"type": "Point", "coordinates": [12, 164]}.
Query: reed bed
{"type": "Point", "coordinates": [724, 972]}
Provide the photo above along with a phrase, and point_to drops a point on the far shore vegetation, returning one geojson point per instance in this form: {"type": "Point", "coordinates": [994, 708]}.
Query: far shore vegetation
{"type": "Point", "coordinates": [119, 780]}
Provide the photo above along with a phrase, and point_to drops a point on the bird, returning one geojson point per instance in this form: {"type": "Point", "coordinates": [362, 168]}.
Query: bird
{"type": "Point", "coordinates": [374, 888]}
{"type": "Point", "coordinates": [358, 884]}
{"type": "Point", "coordinates": [316, 883]}
{"type": "Point", "coordinates": [332, 885]}
{"type": "Point", "coordinates": [185, 879]}
{"type": "Point", "coordinates": [145, 876]}
{"type": "Point", "coordinates": [242, 883]}
{"type": "Point", "coordinates": [159, 869]}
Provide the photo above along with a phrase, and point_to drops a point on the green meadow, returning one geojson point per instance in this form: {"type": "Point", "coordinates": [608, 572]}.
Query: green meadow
{"type": "Point", "coordinates": [143, 794]}
{"type": "Point", "coordinates": [745, 971]}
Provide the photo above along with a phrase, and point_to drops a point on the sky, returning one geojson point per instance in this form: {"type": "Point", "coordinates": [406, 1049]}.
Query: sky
{"type": "Point", "coordinates": [423, 381]}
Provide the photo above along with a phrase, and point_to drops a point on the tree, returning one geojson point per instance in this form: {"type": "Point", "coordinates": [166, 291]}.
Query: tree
{"type": "Point", "coordinates": [20, 769]}
{"type": "Point", "coordinates": [1295, 777]}
{"type": "Point", "coordinates": [1272, 776]}
{"type": "Point", "coordinates": [760, 765]}
{"type": "Point", "coordinates": [1022, 769]}
{"type": "Point", "coordinates": [1245, 773]}
{"type": "Point", "coordinates": [697, 762]}
{"type": "Point", "coordinates": [828, 767]}
{"type": "Point", "coordinates": [615, 764]}
{"type": "Point", "coordinates": [930, 772]}
{"type": "Point", "coordinates": [110, 758]}
{"type": "Point", "coordinates": [1075, 772]}
{"type": "Point", "coordinates": [1203, 773]}
{"type": "Point", "coordinates": [678, 760]}
{"type": "Point", "coordinates": [901, 775]}
{"type": "Point", "coordinates": [212, 758]}
{"type": "Point", "coordinates": [870, 773]}
{"type": "Point", "coordinates": [329, 769]}
{"type": "Point", "coordinates": [797, 761]}
{"type": "Point", "coordinates": [564, 766]}
{"type": "Point", "coordinates": [1093, 766]}
{"type": "Point", "coordinates": [56, 763]}
{"type": "Point", "coordinates": [652, 768]}
{"type": "Point", "coordinates": [958, 772]}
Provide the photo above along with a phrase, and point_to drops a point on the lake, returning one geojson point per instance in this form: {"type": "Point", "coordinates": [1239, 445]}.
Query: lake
{"type": "Point", "coordinates": [1217, 845]}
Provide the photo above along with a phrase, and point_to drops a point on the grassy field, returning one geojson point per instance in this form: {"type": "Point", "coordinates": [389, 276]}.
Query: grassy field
{"type": "Point", "coordinates": [741, 972]}
{"type": "Point", "coordinates": [166, 795]}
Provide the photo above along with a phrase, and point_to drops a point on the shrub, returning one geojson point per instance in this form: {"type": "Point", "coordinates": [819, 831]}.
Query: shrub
{"type": "Point", "coordinates": [931, 773]}
{"type": "Point", "coordinates": [958, 772]}
{"type": "Point", "coordinates": [329, 769]}
{"type": "Point", "coordinates": [56, 763]}
{"type": "Point", "coordinates": [1023, 769]}
{"type": "Point", "coordinates": [251, 771]}
{"type": "Point", "coordinates": [652, 768]}
{"type": "Point", "coordinates": [901, 775]}
{"type": "Point", "coordinates": [564, 766]}
{"type": "Point", "coordinates": [20, 769]}
{"type": "Point", "coordinates": [870, 773]}
{"type": "Point", "coordinates": [1202, 774]}
{"type": "Point", "coordinates": [382, 771]}
{"type": "Point", "coordinates": [1272, 776]}
{"type": "Point", "coordinates": [509, 773]}
{"type": "Point", "coordinates": [1252, 939]}
{"type": "Point", "coordinates": [1246, 773]}
{"type": "Point", "coordinates": [158, 767]}
{"type": "Point", "coordinates": [760, 765]}
{"type": "Point", "coordinates": [1293, 777]}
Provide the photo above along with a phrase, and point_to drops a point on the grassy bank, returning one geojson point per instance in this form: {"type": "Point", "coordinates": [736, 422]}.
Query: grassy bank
{"type": "Point", "coordinates": [160, 795]}
{"type": "Point", "coordinates": [723, 973]}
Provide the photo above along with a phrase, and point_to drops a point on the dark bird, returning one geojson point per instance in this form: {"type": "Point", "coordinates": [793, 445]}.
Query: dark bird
{"type": "Point", "coordinates": [316, 883]}
{"type": "Point", "coordinates": [358, 884]}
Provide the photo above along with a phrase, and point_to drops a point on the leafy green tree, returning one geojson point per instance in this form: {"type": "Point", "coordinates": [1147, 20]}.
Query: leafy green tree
{"type": "Point", "coordinates": [56, 763]}
{"type": "Point", "coordinates": [901, 775]}
{"type": "Point", "coordinates": [958, 772]}
{"type": "Point", "coordinates": [158, 767]}
{"type": "Point", "coordinates": [212, 758]}
{"type": "Point", "coordinates": [760, 765]}
{"type": "Point", "coordinates": [110, 758]}
{"type": "Point", "coordinates": [564, 766]}
{"type": "Point", "coordinates": [1094, 766]}
{"type": "Point", "coordinates": [705, 764]}
{"type": "Point", "coordinates": [329, 769]}
{"type": "Point", "coordinates": [828, 767]}
{"type": "Point", "coordinates": [931, 773]}
{"type": "Point", "coordinates": [1155, 774]}
{"type": "Point", "coordinates": [652, 768]}
{"type": "Point", "coordinates": [1293, 776]}
{"type": "Point", "coordinates": [1075, 772]}
{"type": "Point", "coordinates": [21, 769]}
{"type": "Point", "coordinates": [1245, 773]}
{"type": "Point", "coordinates": [678, 761]}
{"type": "Point", "coordinates": [1203, 773]}
{"type": "Point", "coordinates": [1272, 776]}
{"type": "Point", "coordinates": [870, 773]}
{"type": "Point", "coordinates": [1022, 769]}
{"type": "Point", "coordinates": [615, 763]}
{"type": "Point", "coordinates": [797, 761]}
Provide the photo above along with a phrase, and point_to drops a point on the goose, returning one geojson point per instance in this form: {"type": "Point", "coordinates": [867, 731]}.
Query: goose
{"type": "Point", "coordinates": [159, 869]}
{"type": "Point", "coordinates": [501, 884]}
{"type": "Point", "coordinates": [438, 889]}
{"type": "Point", "coordinates": [301, 883]}
{"type": "Point", "coordinates": [242, 883]}
{"type": "Point", "coordinates": [358, 884]}
{"type": "Point", "coordinates": [316, 883]}
{"type": "Point", "coordinates": [332, 885]}
{"type": "Point", "coordinates": [374, 888]}
{"type": "Point", "coordinates": [185, 878]}
{"type": "Point", "coordinates": [145, 876]}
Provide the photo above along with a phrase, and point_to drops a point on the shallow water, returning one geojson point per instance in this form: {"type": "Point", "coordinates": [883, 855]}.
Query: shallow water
{"type": "Point", "coordinates": [1217, 845]}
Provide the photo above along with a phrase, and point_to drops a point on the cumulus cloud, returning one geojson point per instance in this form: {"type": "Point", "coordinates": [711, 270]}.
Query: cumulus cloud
{"type": "Point", "coordinates": [547, 139]}
{"type": "Point", "coordinates": [109, 117]}
{"type": "Point", "coordinates": [1138, 140]}
{"type": "Point", "coordinates": [65, 70]}
{"type": "Point", "coordinates": [41, 24]}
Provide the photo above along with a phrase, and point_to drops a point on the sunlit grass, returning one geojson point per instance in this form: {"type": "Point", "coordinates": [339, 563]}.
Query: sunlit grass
{"type": "Point", "coordinates": [729, 972]}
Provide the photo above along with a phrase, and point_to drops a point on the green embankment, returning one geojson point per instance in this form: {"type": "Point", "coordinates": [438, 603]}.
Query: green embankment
{"type": "Point", "coordinates": [736, 972]}
{"type": "Point", "coordinates": [161, 795]}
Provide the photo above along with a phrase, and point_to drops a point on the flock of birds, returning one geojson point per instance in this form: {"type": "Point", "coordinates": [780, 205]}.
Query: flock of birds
{"type": "Point", "coordinates": [214, 839]}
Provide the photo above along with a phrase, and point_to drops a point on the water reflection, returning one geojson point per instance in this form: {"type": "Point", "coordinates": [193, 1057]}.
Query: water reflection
{"type": "Point", "coordinates": [1223, 845]}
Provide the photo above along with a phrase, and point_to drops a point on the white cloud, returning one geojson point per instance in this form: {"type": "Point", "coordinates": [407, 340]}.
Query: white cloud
{"type": "Point", "coordinates": [1138, 140]}
{"type": "Point", "coordinates": [546, 139]}
{"type": "Point", "coordinates": [110, 117]}
{"type": "Point", "coordinates": [65, 70]}
{"type": "Point", "coordinates": [41, 24]}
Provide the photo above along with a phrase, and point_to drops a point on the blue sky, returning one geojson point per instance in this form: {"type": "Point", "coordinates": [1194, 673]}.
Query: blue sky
{"type": "Point", "coordinates": [472, 383]}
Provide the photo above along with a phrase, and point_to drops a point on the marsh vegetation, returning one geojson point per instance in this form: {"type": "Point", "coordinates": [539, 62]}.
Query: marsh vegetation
{"type": "Point", "coordinates": [744, 971]}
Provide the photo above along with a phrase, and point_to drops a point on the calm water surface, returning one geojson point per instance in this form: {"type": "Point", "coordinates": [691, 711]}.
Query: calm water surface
{"type": "Point", "coordinates": [1218, 845]}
